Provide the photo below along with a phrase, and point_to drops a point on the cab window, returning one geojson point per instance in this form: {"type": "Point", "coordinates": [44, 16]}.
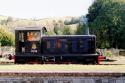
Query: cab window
{"type": "Point", "coordinates": [33, 36]}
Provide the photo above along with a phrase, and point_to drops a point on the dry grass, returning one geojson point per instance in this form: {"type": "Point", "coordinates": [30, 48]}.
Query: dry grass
{"type": "Point", "coordinates": [51, 67]}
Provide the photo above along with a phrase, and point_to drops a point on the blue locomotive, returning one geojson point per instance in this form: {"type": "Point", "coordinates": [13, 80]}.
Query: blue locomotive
{"type": "Point", "coordinates": [33, 46]}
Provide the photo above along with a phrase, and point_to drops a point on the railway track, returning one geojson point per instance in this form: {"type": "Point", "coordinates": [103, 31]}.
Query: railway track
{"type": "Point", "coordinates": [59, 74]}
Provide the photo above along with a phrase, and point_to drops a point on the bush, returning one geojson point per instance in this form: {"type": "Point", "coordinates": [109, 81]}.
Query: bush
{"type": "Point", "coordinates": [6, 37]}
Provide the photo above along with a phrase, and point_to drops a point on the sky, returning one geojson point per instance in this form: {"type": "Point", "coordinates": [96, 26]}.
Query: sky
{"type": "Point", "coordinates": [44, 8]}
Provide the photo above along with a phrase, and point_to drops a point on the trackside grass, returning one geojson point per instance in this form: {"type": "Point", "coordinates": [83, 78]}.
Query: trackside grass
{"type": "Point", "coordinates": [67, 67]}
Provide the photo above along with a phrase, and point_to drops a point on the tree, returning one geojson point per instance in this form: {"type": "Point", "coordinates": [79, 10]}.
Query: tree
{"type": "Point", "coordinates": [66, 30]}
{"type": "Point", "coordinates": [6, 37]}
{"type": "Point", "coordinates": [56, 29]}
{"type": "Point", "coordinates": [80, 29]}
{"type": "Point", "coordinates": [9, 19]}
{"type": "Point", "coordinates": [107, 22]}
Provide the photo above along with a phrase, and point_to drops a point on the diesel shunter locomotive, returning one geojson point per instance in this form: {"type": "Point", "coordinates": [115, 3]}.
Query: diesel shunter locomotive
{"type": "Point", "coordinates": [33, 46]}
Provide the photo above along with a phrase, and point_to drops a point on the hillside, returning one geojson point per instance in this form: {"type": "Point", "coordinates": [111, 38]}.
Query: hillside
{"type": "Point", "coordinates": [3, 17]}
{"type": "Point", "coordinates": [49, 23]}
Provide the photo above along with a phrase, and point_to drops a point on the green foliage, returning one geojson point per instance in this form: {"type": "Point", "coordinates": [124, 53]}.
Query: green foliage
{"type": "Point", "coordinates": [80, 29]}
{"type": "Point", "coordinates": [107, 21]}
{"type": "Point", "coordinates": [50, 33]}
{"type": "Point", "coordinates": [66, 30]}
{"type": "Point", "coordinates": [56, 29]}
{"type": "Point", "coordinates": [61, 29]}
{"type": "Point", "coordinates": [6, 37]}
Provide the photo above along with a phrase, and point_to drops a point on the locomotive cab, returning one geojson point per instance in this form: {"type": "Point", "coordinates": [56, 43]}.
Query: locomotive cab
{"type": "Point", "coordinates": [28, 43]}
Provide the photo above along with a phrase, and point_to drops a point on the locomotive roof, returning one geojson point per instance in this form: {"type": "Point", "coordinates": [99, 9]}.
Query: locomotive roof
{"type": "Point", "coordinates": [28, 28]}
{"type": "Point", "coordinates": [68, 35]}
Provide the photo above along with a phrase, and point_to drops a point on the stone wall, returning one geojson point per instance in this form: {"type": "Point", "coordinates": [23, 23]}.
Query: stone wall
{"type": "Point", "coordinates": [63, 80]}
